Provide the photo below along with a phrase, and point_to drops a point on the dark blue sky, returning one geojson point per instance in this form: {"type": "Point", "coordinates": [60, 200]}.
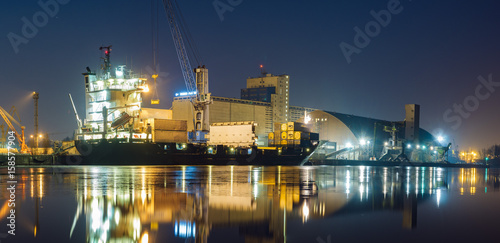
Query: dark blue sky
{"type": "Point", "coordinates": [430, 53]}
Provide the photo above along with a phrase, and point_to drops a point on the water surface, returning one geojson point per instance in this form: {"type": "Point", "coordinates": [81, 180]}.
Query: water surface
{"type": "Point", "coordinates": [252, 204]}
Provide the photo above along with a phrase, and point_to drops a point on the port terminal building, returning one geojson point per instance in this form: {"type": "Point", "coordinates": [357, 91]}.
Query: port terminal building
{"type": "Point", "coordinates": [266, 99]}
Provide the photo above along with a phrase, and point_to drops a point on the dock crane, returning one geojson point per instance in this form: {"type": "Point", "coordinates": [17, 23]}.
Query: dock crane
{"type": "Point", "coordinates": [196, 79]}
{"type": "Point", "coordinates": [3, 135]}
{"type": "Point", "coordinates": [20, 137]}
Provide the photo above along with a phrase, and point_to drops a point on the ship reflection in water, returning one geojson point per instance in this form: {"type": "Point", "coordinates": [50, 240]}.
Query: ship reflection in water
{"type": "Point", "coordinates": [254, 204]}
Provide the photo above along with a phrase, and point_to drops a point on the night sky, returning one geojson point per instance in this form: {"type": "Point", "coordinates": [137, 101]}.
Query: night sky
{"type": "Point", "coordinates": [430, 53]}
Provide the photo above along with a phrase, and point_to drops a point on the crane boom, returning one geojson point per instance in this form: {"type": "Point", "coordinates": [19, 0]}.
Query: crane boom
{"type": "Point", "coordinates": [20, 137]}
{"type": "Point", "coordinates": [78, 120]}
{"type": "Point", "coordinates": [196, 79]}
{"type": "Point", "coordinates": [177, 37]}
{"type": "Point", "coordinates": [10, 118]}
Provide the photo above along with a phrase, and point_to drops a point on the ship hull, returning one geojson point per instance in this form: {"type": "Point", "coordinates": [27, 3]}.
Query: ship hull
{"type": "Point", "coordinates": [110, 153]}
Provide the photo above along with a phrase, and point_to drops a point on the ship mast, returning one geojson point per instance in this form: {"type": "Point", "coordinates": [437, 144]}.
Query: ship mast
{"type": "Point", "coordinates": [106, 67]}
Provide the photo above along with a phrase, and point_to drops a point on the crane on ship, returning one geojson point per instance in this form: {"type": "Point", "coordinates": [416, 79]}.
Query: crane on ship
{"type": "Point", "coordinates": [155, 100]}
{"type": "Point", "coordinates": [20, 137]}
{"type": "Point", "coordinates": [196, 79]}
{"type": "Point", "coordinates": [78, 120]}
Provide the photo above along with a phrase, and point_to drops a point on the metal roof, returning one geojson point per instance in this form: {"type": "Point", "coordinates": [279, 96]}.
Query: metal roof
{"type": "Point", "coordinates": [364, 127]}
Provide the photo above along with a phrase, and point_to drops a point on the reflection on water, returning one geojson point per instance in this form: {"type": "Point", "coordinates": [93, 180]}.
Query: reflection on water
{"type": "Point", "coordinates": [245, 204]}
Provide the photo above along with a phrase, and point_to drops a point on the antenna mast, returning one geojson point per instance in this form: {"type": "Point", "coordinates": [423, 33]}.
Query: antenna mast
{"type": "Point", "coordinates": [106, 67]}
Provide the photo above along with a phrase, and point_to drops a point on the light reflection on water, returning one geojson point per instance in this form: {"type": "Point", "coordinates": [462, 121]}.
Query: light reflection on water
{"type": "Point", "coordinates": [249, 204]}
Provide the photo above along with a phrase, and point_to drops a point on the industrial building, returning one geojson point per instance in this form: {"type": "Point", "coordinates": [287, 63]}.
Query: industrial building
{"type": "Point", "coordinates": [265, 101]}
{"type": "Point", "coordinates": [369, 137]}
{"type": "Point", "coordinates": [235, 110]}
{"type": "Point", "coordinates": [273, 89]}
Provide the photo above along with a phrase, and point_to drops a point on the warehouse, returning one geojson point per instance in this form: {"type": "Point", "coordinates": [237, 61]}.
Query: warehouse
{"type": "Point", "coordinates": [368, 137]}
{"type": "Point", "coordinates": [236, 110]}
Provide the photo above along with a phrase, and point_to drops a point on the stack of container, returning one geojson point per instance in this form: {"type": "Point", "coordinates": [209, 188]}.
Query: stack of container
{"type": "Point", "coordinates": [169, 131]}
{"type": "Point", "coordinates": [291, 134]}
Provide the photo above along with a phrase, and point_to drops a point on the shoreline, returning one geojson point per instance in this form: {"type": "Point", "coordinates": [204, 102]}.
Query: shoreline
{"type": "Point", "coordinates": [53, 160]}
{"type": "Point", "coordinates": [396, 164]}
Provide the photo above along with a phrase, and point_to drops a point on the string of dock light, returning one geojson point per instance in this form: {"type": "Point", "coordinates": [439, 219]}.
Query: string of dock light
{"type": "Point", "coordinates": [423, 147]}
{"type": "Point", "coordinates": [440, 139]}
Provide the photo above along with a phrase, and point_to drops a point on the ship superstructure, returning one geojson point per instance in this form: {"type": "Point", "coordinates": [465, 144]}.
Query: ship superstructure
{"type": "Point", "coordinates": [113, 103]}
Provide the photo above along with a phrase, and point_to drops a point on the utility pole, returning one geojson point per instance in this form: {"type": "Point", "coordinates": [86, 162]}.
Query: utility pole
{"type": "Point", "coordinates": [35, 98]}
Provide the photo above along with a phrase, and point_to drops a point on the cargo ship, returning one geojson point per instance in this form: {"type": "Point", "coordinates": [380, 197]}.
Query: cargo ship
{"type": "Point", "coordinates": [110, 153]}
{"type": "Point", "coordinates": [290, 148]}
{"type": "Point", "coordinates": [118, 130]}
